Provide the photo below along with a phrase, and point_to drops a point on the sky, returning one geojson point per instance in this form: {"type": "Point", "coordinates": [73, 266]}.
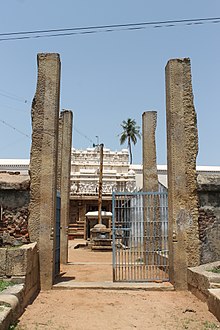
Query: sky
{"type": "Point", "coordinates": [109, 77]}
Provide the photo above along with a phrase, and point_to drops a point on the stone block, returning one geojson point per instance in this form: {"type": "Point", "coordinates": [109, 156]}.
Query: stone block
{"type": "Point", "coordinates": [28, 282]}
{"type": "Point", "coordinates": [198, 281]}
{"type": "Point", "coordinates": [13, 296]}
{"type": "Point", "coordinates": [201, 280]}
{"type": "Point", "coordinates": [6, 318]}
{"type": "Point", "coordinates": [214, 302]}
{"type": "Point", "coordinates": [30, 295]}
{"type": "Point", "coordinates": [30, 251]}
{"type": "Point", "coordinates": [3, 252]}
{"type": "Point", "coordinates": [18, 279]}
{"type": "Point", "coordinates": [35, 276]}
{"type": "Point", "coordinates": [16, 262]}
{"type": "Point", "coordinates": [19, 261]}
{"type": "Point", "coordinates": [32, 279]}
{"type": "Point", "coordinates": [9, 299]}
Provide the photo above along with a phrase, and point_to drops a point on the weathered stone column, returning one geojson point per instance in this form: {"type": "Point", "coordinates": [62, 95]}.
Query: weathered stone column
{"type": "Point", "coordinates": [182, 149]}
{"type": "Point", "coordinates": [152, 227]}
{"type": "Point", "coordinates": [43, 163]}
{"type": "Point", "coordinates": [64, 169]}
{"type": "Point", "coordinates": [150, 178]}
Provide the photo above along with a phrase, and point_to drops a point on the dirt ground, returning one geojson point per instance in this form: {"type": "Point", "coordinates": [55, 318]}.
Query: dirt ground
{"type": "Point", "coordinates": [121, 310]}
{"type": "Point", "coordinates": [84, 309]}
{"type": "Point", "coordinates": [86, 265]}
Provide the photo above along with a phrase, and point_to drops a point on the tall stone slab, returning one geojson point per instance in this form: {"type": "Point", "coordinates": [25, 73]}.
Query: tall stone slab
{"type": "Point", "coordinates": [182, 149]}
{"type": "Point", "coordinates": [59, 152]}
{"type": "Point", "coordinates": [43, 163]}
{"type": "Point", "coordinates": [152, 226]}
{"type": "Point", "coordinates": [64, 170]}
{"type": "Point", "coordinates": [150, 178]}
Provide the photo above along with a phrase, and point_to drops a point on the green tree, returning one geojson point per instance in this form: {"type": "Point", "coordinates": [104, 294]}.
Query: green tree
{"type": "Point", "coordinates": [130, 133]}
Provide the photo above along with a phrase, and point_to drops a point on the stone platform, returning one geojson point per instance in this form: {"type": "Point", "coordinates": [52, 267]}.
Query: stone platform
{"type": "Point", "coordinates": [71, 285]}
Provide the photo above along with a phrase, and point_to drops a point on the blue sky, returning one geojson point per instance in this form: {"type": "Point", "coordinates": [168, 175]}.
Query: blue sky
{"type": "Point", "coordinates": [109, 77]}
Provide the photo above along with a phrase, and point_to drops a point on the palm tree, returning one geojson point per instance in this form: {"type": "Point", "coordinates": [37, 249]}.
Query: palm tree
{"type": "Point", "coordinates": [130, 133]}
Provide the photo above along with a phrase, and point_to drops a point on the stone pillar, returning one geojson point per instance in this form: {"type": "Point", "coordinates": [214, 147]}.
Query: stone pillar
{"type": "Point", "coordinates": [150, 178]}
{"type": "Point", "coordinates": [59, 152]}
{"type": "Point", "coordinates": [182, 149]}
{"type": "Point", "coordinates": [64, 169]}
{"type": "Point", "coordinates": [152, 226]}
{"type": "Point", "coordinates": [43, 164]}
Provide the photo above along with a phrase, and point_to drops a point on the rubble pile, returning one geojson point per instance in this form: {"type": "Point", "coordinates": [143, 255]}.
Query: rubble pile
{"type": "Point", "coordinates": [14, 226]}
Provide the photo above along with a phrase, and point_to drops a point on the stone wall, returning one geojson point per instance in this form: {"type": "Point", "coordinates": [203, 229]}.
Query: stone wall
{"type": "Point", "coordinates": [14, 201]}
{"type": "Point", "coordinates": [14, 226]}
{"type": "Point", "coordinates": [14, 198]}
{"type": "Point", "coordinates": [14, 190]}
{"type": "Point", "coordinates": [209, 217]}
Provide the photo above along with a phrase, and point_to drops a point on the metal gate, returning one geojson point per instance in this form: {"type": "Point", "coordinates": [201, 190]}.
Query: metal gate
{"type": "Point", "coordinates": [140, 237]}
{"type": "Point", "coordinates": [57, 243]}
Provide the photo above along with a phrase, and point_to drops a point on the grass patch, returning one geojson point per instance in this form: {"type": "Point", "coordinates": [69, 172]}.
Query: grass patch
{"type": "Point", "coordinates": [210, 325]}
{"type": "Point", "coordinates": [13, 327]}
{"type": "Point", "coordinates": [215, 270]}
{"type": "Point", "coordinates": [5, 284]}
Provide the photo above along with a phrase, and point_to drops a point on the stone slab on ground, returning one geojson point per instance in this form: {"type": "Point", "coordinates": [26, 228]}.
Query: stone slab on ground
{"type": "Point", "coordinates": [71, 285]}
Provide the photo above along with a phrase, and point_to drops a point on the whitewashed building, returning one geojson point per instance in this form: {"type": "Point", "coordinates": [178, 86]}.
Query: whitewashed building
{"type": "Point", "coordinates": [117, 176]}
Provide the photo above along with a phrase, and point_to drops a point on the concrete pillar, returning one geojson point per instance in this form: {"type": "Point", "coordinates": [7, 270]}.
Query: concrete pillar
{"type": "Point", "coordinates": [182, 149]}
{"type": "Point", "coordinates": [64, 169]}
{"type": "Point", "coordinates": [152, 226]}
{"type": "Point", "coordinates": [43, 163]}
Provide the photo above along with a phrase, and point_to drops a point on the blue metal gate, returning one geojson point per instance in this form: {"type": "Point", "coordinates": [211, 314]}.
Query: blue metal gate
{"type": "Point", "coordinates": [140, 237]}
{"type": "Point", "coordinates": [57, 243]}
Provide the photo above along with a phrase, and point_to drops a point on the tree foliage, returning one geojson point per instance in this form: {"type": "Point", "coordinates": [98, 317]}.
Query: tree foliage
{"type": "Point", "coordinates": [130, 133]}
